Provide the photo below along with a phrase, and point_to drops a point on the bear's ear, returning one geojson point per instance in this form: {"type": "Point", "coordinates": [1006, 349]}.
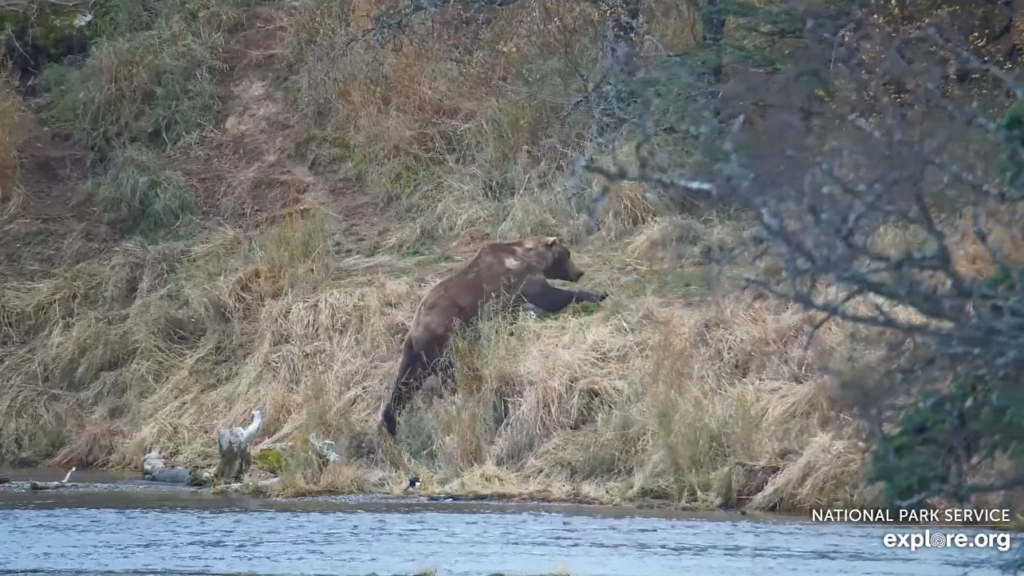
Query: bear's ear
{"type": "Point", "coordinates": [551, 240]}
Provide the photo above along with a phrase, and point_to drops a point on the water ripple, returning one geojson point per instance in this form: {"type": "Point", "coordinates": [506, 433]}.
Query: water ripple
{"type": "Point", "coordinates": [81, 540]}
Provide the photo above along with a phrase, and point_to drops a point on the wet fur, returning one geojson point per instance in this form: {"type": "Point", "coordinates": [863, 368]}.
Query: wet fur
{"type": "Point", "coordinates": [520, 269]}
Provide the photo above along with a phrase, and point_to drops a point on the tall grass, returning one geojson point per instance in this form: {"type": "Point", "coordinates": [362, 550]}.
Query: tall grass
{"type": "Point", "coordinates": [468, 123]}
{"type": "Point", "coordinates": [141, 196]}
{"type": "Point", "coordinates": [157, 347]}
{"type": "Point", "coordinates": [467, 126]}
{"type": "Point", "coordinates": [150, 75]}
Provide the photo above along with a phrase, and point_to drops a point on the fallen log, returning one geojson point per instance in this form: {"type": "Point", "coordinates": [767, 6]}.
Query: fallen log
{"type": "Point", "coordinates": [194, 477]}
{"type": "Point", "coordinates": [33, 485]}
{"type": "Point", "coordinates": [234, 447]}
{"type": "Point", "coordinates": [169, 475]}
{"type": "Point", "coordinates": [155, 469]}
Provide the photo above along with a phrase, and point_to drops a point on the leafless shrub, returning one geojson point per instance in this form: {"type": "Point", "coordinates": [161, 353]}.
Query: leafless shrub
{"type": "Point", "coordinates": [874, 166]}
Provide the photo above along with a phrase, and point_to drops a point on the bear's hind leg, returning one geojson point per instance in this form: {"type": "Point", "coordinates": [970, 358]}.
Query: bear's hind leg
{"type": "Point", "coordinates": [409, 379]}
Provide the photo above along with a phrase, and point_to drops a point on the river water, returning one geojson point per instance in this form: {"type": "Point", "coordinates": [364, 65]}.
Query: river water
{"type": "Point", "coordinates": [103, 526]}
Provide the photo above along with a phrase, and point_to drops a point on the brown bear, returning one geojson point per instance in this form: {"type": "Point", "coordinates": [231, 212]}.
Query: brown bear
{"type": "Point", "coordinates": [517, 271]}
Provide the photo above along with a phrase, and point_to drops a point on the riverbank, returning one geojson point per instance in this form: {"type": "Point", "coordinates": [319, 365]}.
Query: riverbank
{"type": "Point", "coordinates": [127, 489]}
{"type": "Point", "coordinates": [19, 479]}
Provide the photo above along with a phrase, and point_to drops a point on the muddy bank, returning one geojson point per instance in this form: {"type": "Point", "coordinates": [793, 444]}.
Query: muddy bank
{"type": "Point", "coordinates": [105, 488]}
{"type": "Point", "coordinates": [17, 480]}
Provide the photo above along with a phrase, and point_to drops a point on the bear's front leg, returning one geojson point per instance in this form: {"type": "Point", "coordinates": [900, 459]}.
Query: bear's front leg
{"type": "Point", "coordinates": [552, 300]}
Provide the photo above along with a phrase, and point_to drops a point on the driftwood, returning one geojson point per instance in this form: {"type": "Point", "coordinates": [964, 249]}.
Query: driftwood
{"type": "Point", "coordinates": [234, 449]}
{"type": "Point", "coordinates": [154, 468]}
{"type": "Point", "coordinates": [235, 460]}
{"type": "Point", "coordinates": [33, 485]}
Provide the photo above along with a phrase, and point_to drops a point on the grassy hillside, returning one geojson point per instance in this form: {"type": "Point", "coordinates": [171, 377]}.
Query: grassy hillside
{"type": "Point", "coordinates": [231, 206]}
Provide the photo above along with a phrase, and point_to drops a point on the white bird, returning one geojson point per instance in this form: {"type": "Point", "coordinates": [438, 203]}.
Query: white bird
{"type": "Point", "coordinates": [248, 434]}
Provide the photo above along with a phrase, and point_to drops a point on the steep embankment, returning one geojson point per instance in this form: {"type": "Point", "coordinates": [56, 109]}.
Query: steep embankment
{"type": "Point", "coordinates": [326, 195]}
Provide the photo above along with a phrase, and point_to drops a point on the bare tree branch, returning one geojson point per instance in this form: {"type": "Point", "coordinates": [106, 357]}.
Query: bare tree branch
{"type": "Point", "coordinates": [867, 167]}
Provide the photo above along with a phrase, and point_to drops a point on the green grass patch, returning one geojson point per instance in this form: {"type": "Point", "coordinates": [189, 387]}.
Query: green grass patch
{"type": "Point", "coordinates": [121, 18]}
{"type": "Point", "coordinates": [583, 309]}
{"type": "Point", "coordinates": [143, 197]}
{"type": "Point", "coordinates": [690, 285]}
{"type": "Point", "coordinates": [150, 75]}
{"type": "Point", "coordinates": [154, 87]}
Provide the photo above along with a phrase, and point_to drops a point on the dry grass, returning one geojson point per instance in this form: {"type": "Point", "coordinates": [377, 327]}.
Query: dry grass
{"type": "Point", "coordinates": [155, 347]}
{"type": "Point", "coordinates": [462, 125]}
{"type": "Point", "coordinates": [158, 347]}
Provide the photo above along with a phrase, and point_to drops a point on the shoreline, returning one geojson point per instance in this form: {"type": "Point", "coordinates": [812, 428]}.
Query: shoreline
{"type": "Point", "coordinates": [127, 481]}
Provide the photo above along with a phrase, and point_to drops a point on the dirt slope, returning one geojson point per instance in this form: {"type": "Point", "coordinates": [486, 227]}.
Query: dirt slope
{"type": "Point", "coordinates": [244, 168]}
{"type": "Point", "coordinates": [54, 175]}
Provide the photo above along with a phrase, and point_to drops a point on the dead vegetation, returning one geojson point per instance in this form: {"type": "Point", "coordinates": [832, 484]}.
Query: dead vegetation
{"type": "Point", "coordinates": [296, 297]}
{"type": "Point", "coordinates": [645, 398]}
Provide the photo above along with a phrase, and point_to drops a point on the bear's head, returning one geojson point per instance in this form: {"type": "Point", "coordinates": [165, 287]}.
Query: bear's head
{"type": "Point", "coordinates": [558, 260]}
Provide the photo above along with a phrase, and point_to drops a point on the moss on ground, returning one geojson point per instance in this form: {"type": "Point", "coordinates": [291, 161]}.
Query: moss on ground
{"type": "Point", "coordinates": [271, 461]}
